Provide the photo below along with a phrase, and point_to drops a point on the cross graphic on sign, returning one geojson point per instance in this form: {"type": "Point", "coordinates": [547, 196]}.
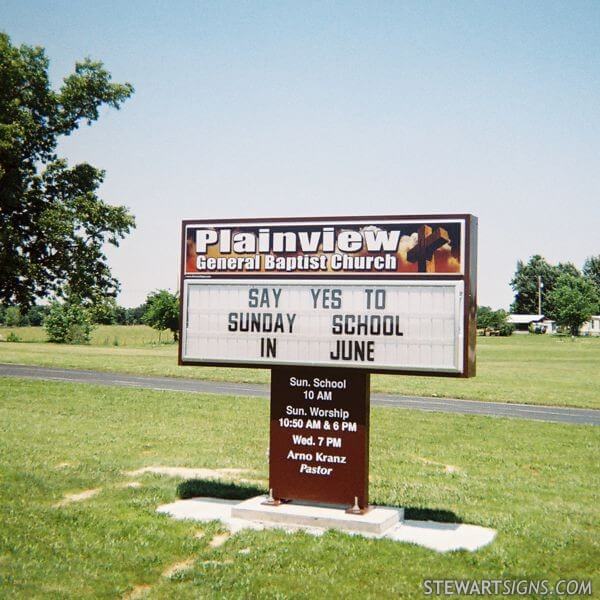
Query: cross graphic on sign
{"type": "Point", "coordinates": [428, 242]}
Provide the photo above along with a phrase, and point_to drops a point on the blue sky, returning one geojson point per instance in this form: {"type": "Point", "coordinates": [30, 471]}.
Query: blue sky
{"type": "Point", "coordinates": [300, 108]}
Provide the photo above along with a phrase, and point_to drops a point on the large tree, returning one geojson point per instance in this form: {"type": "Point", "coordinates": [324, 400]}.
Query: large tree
{"type": "Point", "coordinates": [575, 300]}
{"type": "Point", "coordinates": [525, 284]}
{"type": "Point", "coordinates": [53, 225]}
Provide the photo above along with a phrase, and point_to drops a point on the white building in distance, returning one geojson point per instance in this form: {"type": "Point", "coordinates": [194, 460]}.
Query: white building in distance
{"type": "Point", "coordinates": [591, 327]}
{"type": "Point", "coordinates": [540, 324]}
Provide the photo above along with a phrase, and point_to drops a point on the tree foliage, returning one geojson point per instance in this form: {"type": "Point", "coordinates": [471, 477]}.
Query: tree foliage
{"type": "Point", "coordinates": [53, 225]}
{"type": "Point", "coordinates": [132, 316]}
{"type": "Point", "coordinates": [525, 285]}
{"type": "Point", "coordinates": [575, 300]}
{"type": "Point", "coordinates": [104, 311]}
{"type": "Point", "coordinates": [12, 316]}
{"type": "Point", "coordinates": [68, 322]}
{"type": "Point", "coordinates": [591, 270]}
{"type": "Point", "coordinates": [162, 311]}
{"type": "Point", "coordinates": [37, 314]}
{"type": "Point", "coordinates": [493, 321]}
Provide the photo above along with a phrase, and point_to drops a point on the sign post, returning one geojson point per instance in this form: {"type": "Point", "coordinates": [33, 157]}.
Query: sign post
{"type": "Point", "coordinates": [323, 303]}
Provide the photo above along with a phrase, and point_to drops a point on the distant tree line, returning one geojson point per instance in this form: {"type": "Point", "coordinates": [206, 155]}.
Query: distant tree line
{"type": "Point", "coordinates": [113, 314]}
{"type": "Point", "coordinates": [72, 320]}
{"type": "Point", "coordinates": [560, 292]}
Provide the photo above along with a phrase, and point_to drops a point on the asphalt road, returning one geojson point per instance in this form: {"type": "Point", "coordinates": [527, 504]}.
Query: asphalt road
{"type": "Point", "coordinates": [552, 414]}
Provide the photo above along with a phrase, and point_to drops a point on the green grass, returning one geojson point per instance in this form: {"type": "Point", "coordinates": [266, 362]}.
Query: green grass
{"type": "Point", "coordinates": [530, 369]}
{"type": "Point", "coordinates": [102, 335]}
{"type": "Point", "coordinates": [536, 483]}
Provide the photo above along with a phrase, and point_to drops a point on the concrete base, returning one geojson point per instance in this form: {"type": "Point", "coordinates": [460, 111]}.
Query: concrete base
{"type": "Point", "coordinates": [375, 521]}
{"type": "Point", "coordinates": [441, 537]}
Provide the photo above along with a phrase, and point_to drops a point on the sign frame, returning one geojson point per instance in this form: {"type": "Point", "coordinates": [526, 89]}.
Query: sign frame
{"type": "Point", "coordinates": [468, 276]}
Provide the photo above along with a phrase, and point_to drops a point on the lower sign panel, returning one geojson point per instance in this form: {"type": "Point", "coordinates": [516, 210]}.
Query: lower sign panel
{"type": "Point", "coordinates": [319, 435]}
{"type": "Point", "coordinates": [399, 326]}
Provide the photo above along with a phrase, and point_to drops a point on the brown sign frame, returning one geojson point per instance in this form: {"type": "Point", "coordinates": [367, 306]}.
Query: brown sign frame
{"type": "Point", "coordinates": [468, 275]}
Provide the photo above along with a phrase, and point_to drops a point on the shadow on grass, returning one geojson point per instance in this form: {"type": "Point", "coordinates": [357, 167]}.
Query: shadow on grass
{"type": "Point", "coordinates": [192, 488]}
{"type": "Point", "coordinates": [211, 488]}
{"type": "Point", "coordinates": [431, 514]}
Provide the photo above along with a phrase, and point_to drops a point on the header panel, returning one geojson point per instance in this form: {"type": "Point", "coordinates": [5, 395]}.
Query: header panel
{"type": "Point", "coordinates": [346, 247]}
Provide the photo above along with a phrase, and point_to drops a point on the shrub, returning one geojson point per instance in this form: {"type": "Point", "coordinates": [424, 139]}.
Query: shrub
{"type": "Point", "coordinates": [162, 312]}
{"type": "Point", "coordinates": [13, 337]}
{"type": "Point", "coordinates": [493, 322]}
{"type": "Point", "coordinates": [12, 317]}
{"type": "Point", "coordinates": [68, 323]}
{"type": "Point", "coordinates": [506, 329]}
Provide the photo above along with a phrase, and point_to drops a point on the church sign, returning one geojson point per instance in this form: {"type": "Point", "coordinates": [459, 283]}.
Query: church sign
{"type": "Point", "coordinates": [380, 294]}
{"type": "Point", "coordinates": [324, 302]}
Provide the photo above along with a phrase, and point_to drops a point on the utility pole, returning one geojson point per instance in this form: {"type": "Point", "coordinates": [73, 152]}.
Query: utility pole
{"type": "Point", "coordinates": [539, 294]}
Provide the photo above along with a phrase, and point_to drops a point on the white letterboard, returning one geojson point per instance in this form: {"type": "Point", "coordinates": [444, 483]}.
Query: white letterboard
{"type": "Point", "coordinates": [396, 326]}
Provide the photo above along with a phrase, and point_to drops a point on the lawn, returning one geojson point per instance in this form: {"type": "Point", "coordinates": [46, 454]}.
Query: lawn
{"type": "Point", "coordinates": [536, 483]}
{"type": "Point", "coordinates": [136, 336]}
{"type": "Point", "coordinates": [530, 369]}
